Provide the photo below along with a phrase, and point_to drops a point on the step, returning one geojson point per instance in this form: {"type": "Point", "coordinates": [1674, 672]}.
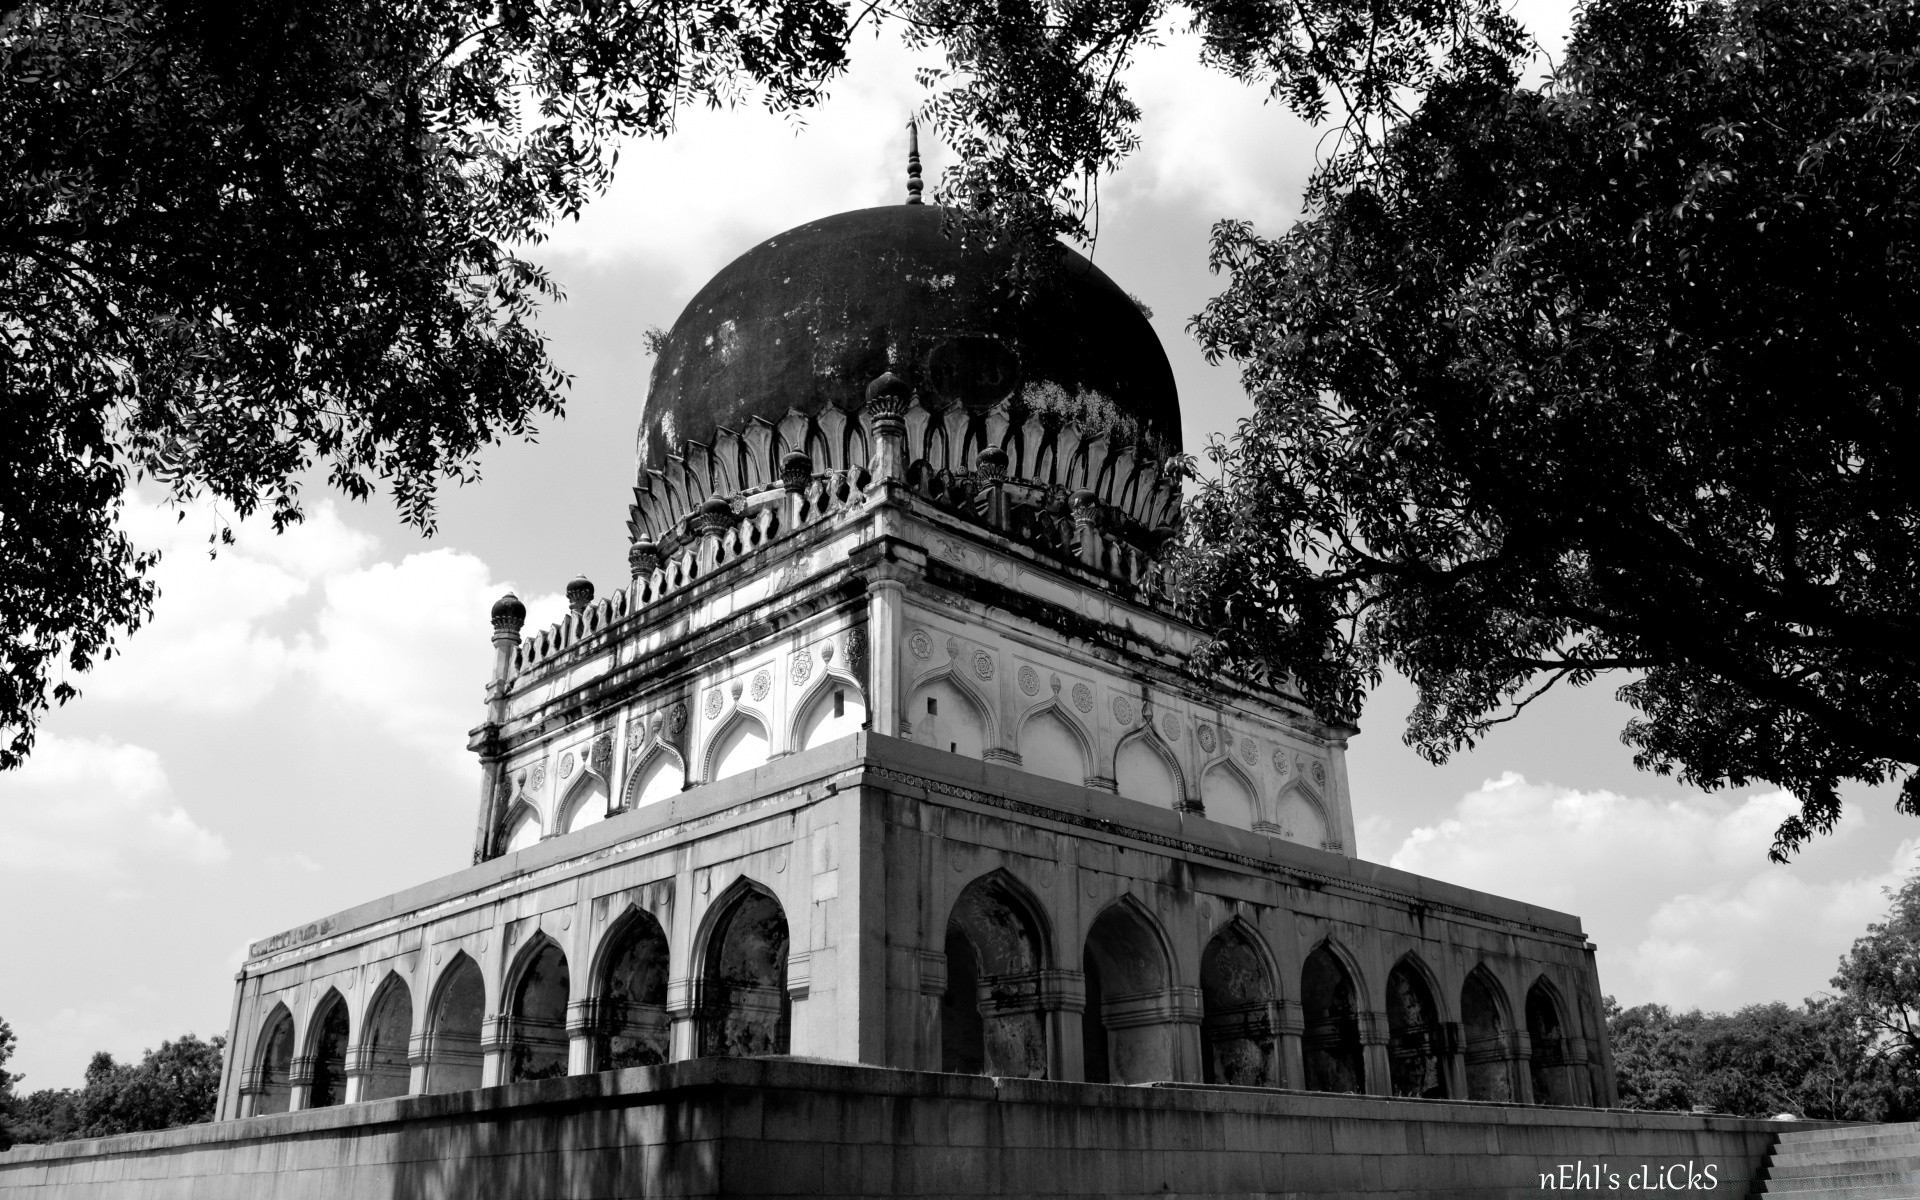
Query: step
{"type": "Point", "coordinates": [1889, 1146]}
{"type": "Point", "coordinates": [1893, 1191]}
{"type": "Point", "coordinates": [1864, 1165]}
{"type": "Point", "coordinates": [1841, 1133]}
{"type": "Point", "coordinates": [1899, 1183]}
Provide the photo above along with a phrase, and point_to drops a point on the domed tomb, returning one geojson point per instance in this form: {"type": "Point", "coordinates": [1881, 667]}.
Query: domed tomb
{"type": "Point", "coordinates": [808, 318]}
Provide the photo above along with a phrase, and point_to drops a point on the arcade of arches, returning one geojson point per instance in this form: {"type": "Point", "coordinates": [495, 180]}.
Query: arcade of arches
{"type": "Point", "coordinates": [1004, 1009]}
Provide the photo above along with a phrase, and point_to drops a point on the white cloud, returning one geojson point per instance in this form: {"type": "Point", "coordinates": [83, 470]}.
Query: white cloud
{"type": "Point", "coordinates": [1677, 893]}
{"type": "Point", "coordinates": [209, 647]}
{"type": "Point", "coordinates": [91, 807]}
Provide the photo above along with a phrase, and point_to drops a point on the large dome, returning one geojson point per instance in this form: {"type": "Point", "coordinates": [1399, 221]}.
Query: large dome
{"type": "Point", "coordinates": [808, 318]}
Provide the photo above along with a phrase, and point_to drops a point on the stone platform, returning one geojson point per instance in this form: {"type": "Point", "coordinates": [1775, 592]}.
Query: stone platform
{"type": "Point", "coordinates": [786, 1127]}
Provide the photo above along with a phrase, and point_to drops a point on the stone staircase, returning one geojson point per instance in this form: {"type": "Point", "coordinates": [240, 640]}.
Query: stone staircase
{"type": "Point", "coordinates": [1853, 1162]}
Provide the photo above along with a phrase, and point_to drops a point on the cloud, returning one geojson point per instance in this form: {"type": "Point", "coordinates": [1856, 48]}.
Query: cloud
{"type": "Point", "coordinates": [210, 647]}
{"type": "Point", "coordinates": [404, 643]}
{"type": "Point", "coordinates": [92, 807]}
{"type": "Point", "coordinates": [1677, 893]}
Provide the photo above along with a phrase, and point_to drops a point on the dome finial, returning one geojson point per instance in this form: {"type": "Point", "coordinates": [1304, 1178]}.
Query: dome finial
{"type": "Point", "coordinates": [913, 162]}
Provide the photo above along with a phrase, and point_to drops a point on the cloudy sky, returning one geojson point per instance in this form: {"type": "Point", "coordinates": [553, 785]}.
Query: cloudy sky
{"type": "Point", "coordinates": [286, 738]}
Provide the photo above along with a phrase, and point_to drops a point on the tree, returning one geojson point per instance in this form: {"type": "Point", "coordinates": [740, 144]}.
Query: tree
{"type": "Point", "coordinates": [1614, 375]}
{"type": "Point", "coordinates": [178, 1084]}
{"type": "Point", "coordinates": [7, 1044]}
{"type": "Point", "coordinates": [241, 245]}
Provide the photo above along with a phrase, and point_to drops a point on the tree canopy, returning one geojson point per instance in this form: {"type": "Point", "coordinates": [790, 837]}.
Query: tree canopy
{"type": "Point", "coordinates": [242, 245]}
{"type": "Point", "coordinates": [1611, 375]}
{"type": "Point", "coordinates": [177, 1084]}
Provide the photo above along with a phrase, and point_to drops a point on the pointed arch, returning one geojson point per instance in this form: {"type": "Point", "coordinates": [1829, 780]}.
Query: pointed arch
{"type": "Point", "coordinates": [996, 945]}
{"type": "Point", "coordinates": [1415, 1035]}
{"type": "Point", "coordinates": [583, 803]}
{"type": "Point", "coordinates": [741, 744]}
{"type": "Point", "coordinates": [521, 828]}
{"type": "Point", "coordinates": [1547, 1057]}
{"type": "Point", "coordinates": [1128, 1028]}
{"type": "Point", "coordinates": [1147, 765]}
{"type": "Point", "coordinates": [744, 1006]}
{"type": "Point", "coordinates": [630, 991]}
{"type": "Point", "coordinates": [660, 774]}
{"type": "Point", "coordinates": [1229, 795]}
{"type": "Point", "coordinates": [1330, 991]}
{"type": "Point", "coordinates": [328, 1033]}
{"type": "Point", "coordinates": [1301, 816]}
{"type": "Point", "coordinates": [537, 990]}
{"type": "Point", "coordinates": [945, 712]}
{"type": "Point", "coordinates": [1052, 744]}
{"type": "Point", "coordinates": [383, 1041]}
{"type": "Point", "coordinates": [1486, 1023]}
{"type": "Point", "coordinates": [272, 1081]}
{"type": "Point", "coordinates": [454, 1017]}
{"type": "Point", "coordinates": [835, 707]}
{"type": "Point", "coordinates": [1239, 986]}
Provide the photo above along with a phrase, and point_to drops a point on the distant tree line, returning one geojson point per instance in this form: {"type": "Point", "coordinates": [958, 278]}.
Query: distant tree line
{"type": "Point", "coordinates": [1851, 1056]}
{"type": "Point", "coordinates": [174, 1085]}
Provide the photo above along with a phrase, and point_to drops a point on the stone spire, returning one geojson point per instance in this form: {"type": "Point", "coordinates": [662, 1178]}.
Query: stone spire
{"type": "Point", "coordinates": [913, 163]}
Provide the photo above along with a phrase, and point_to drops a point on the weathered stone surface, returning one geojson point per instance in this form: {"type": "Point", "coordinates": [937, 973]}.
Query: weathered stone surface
{"type": "Point", "coordinates": [780, 1127]}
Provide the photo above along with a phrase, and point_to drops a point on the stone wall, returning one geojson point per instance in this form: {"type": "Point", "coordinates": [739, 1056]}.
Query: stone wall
{"type": "Point", "coordinates": [780, 1127]}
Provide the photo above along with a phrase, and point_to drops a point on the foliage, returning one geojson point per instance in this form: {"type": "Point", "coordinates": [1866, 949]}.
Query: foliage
{"type": "Point", "coordinates": [178, 1084]}
{"type": "Point", "coordinates": [243, 243]}
{"type": "Point", "coordinates": [7, 1080]}
{"type": "Point", "coordinates": [1614, 375]}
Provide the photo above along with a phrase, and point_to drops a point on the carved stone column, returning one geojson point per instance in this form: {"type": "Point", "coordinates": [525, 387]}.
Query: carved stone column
{"type": "Point", "coordinates": [887, 399]}
{"type": "Point", "coordinates": [583, 1028]}
{"type": "Point", "coordinates": [886, 630]}
{"type": "Point", "coordinates": [1373, 1050]}
{"type": "Point", "coordinates": [496, 1041]}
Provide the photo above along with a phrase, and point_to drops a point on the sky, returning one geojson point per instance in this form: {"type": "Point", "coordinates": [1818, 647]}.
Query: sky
{"type": "Point", "coordinates": [287, 737]}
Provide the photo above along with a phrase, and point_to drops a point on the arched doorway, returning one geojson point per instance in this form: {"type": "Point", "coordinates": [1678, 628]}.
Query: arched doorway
{"type": "Point", "coordinates": [453, 1030]}
{"type": "Point", "coordinates": [1483, 1027]}
{"type": "Point", "coordinates": [1141, 772]}
{"type": "Point", "coordinates": [537, 1015]}
{"type": "Point", "coordinates": [634, 1028]}
{"type": "Point", "coordinates": [1330, 1045]}
{"type": "Point", "coordinates": [1414, 1066]}
{"type": "Point", "coordinates": [384, 1054]}
{"type": "Point", "coordinates": [741, 747]}
{"type": "Point", "coordinates": [1227, 798]}
{"type": "Point", "coordinates": [1547, 1049]}
{"type": "Point", "coordinates": [274, 1088]}
{"type": "Point", "coordinates": [661, 777]}
{"type": "Point", "coordinates": [586, 803]}
{"type": "Point", "coordinates": [328, 1054]}
{"type": "Point", "coordinates": [1128, 1031]}
{"type": "Point", "coordinates": [1236, 996]}
{"type": "Point", "coordinates": [990, 1018]}
{"type": "Point", "coordinates": [745, 1009]}
{"type": "Point", "coordinates": [1049, 746]}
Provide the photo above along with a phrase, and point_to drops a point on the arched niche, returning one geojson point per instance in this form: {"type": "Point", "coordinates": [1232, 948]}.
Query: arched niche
{"type": "Point", "coordinates": [523, 828]}
{"type": "Point", "coordinates": [1053, 745]}
{"type": "Point", "coordinates": [453, 1027]}
{"type": "Point", "coordinates": [586, 803]}
{"type": "Point", "coordinates": [739, 747]}
{"type": "Point", "coordinates": [389, 1023]}
{"type": "Point", "coordinates": [1547, 1045]}
{"type": "Point", "coordinates": [660, 776]}
{"type": "Point", "coordinates": [537, 1013]}
{"type": "Point", "coordinates": [1414, 1063]}
{"type": "Point", "coordinates": [990, 1018]}
{"type": "Point", "coordinates": [274, 1062]}
{"type": "Point", "coordinates": [745, 1009]}
{"type": "Point", "coordinates": [1330, 1043]}
{"type": "Point", "coordinates": [635, 1030]}
{"type": "Point", "coordinates": [835, 709]}
{"type": "Point", "coordinates": [327, 1051]}
{"type": "Point", "coordinates": [1128, 1031]}
{"type": "Point", "coordinates": [1227, 795]}
{"type": "Point", "coordinates": [1144, 770]}
{"type": "Point", "coordinates": [947, 716]}
{"type": "Point", "coordinates": [1237, 995]}
{"type": "Point", "coordinates": [1485, 1031]}
{"type": "Point", "coordinates": [1300, 817]}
